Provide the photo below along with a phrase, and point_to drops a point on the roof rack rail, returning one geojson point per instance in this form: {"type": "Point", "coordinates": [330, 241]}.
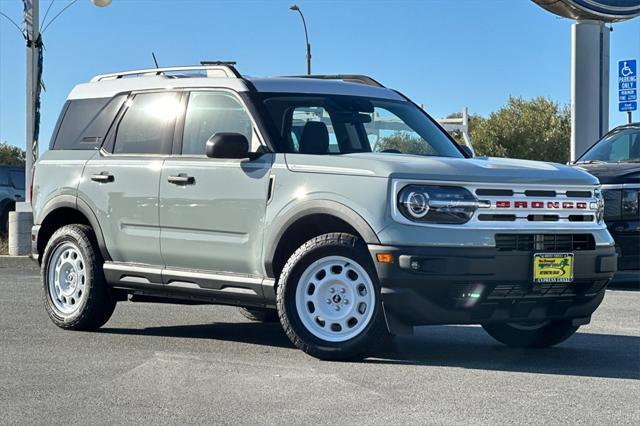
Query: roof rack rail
{"type": "Point", "coordinates": [213, 69]}
{"type": "Point", "coordinates": [351, 78]}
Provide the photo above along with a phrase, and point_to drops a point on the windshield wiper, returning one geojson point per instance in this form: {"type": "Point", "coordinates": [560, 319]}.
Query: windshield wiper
{"type": "Point", "coordinates": [629, 161]}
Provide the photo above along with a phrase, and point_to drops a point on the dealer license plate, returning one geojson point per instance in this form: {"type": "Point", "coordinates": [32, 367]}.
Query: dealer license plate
{"type": "Point", "coordinates": [553, 267]}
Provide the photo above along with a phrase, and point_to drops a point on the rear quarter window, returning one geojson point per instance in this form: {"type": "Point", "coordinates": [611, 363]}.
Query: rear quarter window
{"type": "Point", "coordinates": [85, 123]}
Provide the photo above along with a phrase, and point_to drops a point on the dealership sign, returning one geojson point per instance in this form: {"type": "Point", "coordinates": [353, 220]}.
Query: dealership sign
{"type": "Point", "coordinates": [601, 10]}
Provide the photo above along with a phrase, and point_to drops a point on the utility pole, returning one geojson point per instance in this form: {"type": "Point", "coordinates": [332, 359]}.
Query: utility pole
{"type": "Point", "coordinates": [21, 220]}
{"type": "Point", "coordinates": [34, 44]}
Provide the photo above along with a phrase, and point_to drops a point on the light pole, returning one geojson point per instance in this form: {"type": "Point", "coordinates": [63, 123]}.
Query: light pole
{"type": "Point", "coordinates": [21, 220]}
{"type": "Point", "coordinates": [295, 8]}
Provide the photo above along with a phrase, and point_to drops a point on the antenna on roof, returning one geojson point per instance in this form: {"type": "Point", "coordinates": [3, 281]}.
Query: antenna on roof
{"type": "Point", "coordinates": [155, 60]}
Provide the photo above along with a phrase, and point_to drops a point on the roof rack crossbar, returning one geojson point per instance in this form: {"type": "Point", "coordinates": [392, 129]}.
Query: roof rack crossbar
{"type": "Point", "coordinates": [213, 69]}
{"type": "Point", "coordinates": [351, 78]}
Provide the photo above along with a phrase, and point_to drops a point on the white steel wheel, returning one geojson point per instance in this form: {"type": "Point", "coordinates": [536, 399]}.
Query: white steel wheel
{"type": "Point", "coordinates": [335, 298]}
{"type": "Point", "coordinates": [67, 278]}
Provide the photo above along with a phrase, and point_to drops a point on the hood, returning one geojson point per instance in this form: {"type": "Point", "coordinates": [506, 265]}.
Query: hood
{"type": "Point", "coordinates": [479, 169]}
{"type": "Point", "coordinates": [614, 173]}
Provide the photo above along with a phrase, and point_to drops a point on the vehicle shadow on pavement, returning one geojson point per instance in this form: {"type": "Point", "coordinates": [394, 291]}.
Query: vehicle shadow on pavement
{"type": "Point", "coordinates": [267, 334]}
{"type": "Point", "coordinates": [584, 354]}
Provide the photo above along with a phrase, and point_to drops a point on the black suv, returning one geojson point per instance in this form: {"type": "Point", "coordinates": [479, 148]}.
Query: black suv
{"type": "Point", "coordinates": [11, 191]}
{"type": "Point", "coordinates": [615, 160]}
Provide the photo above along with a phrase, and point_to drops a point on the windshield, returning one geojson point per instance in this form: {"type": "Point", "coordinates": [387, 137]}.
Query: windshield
{"type": "Point", "coordinates": [620, 146]}
{"type": "Point", "coordinates": [338, 124]}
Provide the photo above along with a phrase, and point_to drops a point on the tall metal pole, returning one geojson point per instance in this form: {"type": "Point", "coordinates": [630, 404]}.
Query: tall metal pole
{"type": "Point", "coordinates": [32, 19]}
{"type": "Point", "coordinates": [306, 37]}
{"type": "Point", "coordinates": [21, 220]}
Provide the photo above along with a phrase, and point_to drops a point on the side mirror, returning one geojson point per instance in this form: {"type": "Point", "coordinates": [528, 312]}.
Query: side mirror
{"type": "Point", "coordinates": [466, 150]}
{"type": "Point", "coordinates": [227, 145]}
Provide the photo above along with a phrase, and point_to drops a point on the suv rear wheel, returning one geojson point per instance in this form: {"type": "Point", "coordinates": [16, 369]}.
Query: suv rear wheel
{"type": "Point", "coordinates": [527, 335]}
{"type": "Point", "coordinates": [329, 298]}
{"type": "Point", "coordinates": [4, 219]}
{"type": "Point", "coordinates": [76, 295]}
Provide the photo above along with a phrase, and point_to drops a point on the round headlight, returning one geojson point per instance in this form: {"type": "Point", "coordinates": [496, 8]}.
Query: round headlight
{"type": "Point", "coordinates": [436, 204]}
{"type": "Point", "coordinates": [417, 204]}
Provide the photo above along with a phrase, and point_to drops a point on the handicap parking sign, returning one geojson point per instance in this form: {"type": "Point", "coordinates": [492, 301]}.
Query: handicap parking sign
{"type": "Point", "coordinates": [628, 85]}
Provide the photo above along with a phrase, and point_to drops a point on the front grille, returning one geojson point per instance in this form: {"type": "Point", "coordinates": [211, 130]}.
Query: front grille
{"type": "Point", "coordinates": [612, 204]}
{"type": "Point", "coordinates": [545, 206]}
{"type": "Point", "coordinates": [545, 242]}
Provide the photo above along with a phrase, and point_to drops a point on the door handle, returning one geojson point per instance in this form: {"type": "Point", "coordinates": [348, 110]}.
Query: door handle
{"type": "Point", "coordinates": [103, 177]}
{"type": "Point", "coordinates": [182, 179]}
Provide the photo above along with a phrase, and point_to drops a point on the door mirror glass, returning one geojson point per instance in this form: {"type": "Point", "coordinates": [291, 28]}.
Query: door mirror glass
{"type": "Point", "coordinates": [228, 145]}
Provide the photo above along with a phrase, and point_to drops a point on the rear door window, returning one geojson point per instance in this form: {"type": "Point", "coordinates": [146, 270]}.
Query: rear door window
{"type": "Point", "coordinates": [147, 124]}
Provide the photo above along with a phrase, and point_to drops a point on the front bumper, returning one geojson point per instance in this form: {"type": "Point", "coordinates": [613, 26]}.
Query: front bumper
{"type": "Point", "coordinates": [433, 285]}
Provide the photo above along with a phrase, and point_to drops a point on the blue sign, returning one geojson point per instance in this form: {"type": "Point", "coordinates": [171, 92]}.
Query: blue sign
{"type": "Point", "coordinates": [627, 85]}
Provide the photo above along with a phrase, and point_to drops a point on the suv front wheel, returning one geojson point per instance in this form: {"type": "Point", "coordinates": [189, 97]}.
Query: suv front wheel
{"type": "Point", "coordinates": [76, 295]}
{"type": "Point", "coordinates": [329, 298]}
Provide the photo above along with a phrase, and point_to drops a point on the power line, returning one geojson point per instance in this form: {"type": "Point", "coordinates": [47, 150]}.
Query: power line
{"type": "Point", "coordinates": [58, 14]}
{"type": "Point", "coordinates": [47, 12]}
{"type": "Point", "coordinates": [14, 24]}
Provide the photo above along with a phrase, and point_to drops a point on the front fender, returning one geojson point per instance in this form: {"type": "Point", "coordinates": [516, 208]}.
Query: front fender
{"type": "Point", "coordinates": [284, 220]}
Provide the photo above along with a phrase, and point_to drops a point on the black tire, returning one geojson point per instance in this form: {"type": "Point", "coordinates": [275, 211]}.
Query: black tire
{"type": "Point", "coordinates": [96, 307]}
{"type": "Point", "coordinates": [531, 336]}
{"type": "Point", "coordinates": [4, 219]}
{"type": "Point", "coordinates": [259, 314]}
{"type": "Point", "coordinates": [334, 244]}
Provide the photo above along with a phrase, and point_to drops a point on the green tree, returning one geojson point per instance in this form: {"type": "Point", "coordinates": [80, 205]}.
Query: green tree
{"type": "Point", "coordinates": [11, 155]}
{"type": "Point", "coordinates": [535, 129]}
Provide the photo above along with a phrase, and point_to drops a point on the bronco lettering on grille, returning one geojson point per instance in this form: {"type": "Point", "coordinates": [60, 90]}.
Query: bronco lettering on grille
{"type": "Point", "coordinates": [541, 205]}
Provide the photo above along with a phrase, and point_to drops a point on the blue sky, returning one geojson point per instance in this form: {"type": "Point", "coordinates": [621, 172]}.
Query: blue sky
{"type": "Point", "coordinates": [445, 54]}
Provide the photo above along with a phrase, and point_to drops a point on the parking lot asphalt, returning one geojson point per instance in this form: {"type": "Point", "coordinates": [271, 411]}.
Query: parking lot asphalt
{"type": "Point", "coordinates": [166, 364]}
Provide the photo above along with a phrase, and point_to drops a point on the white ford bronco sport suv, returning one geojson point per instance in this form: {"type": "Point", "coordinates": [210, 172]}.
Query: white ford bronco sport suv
{"type": "Point", "coordinates": [331, 203]}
